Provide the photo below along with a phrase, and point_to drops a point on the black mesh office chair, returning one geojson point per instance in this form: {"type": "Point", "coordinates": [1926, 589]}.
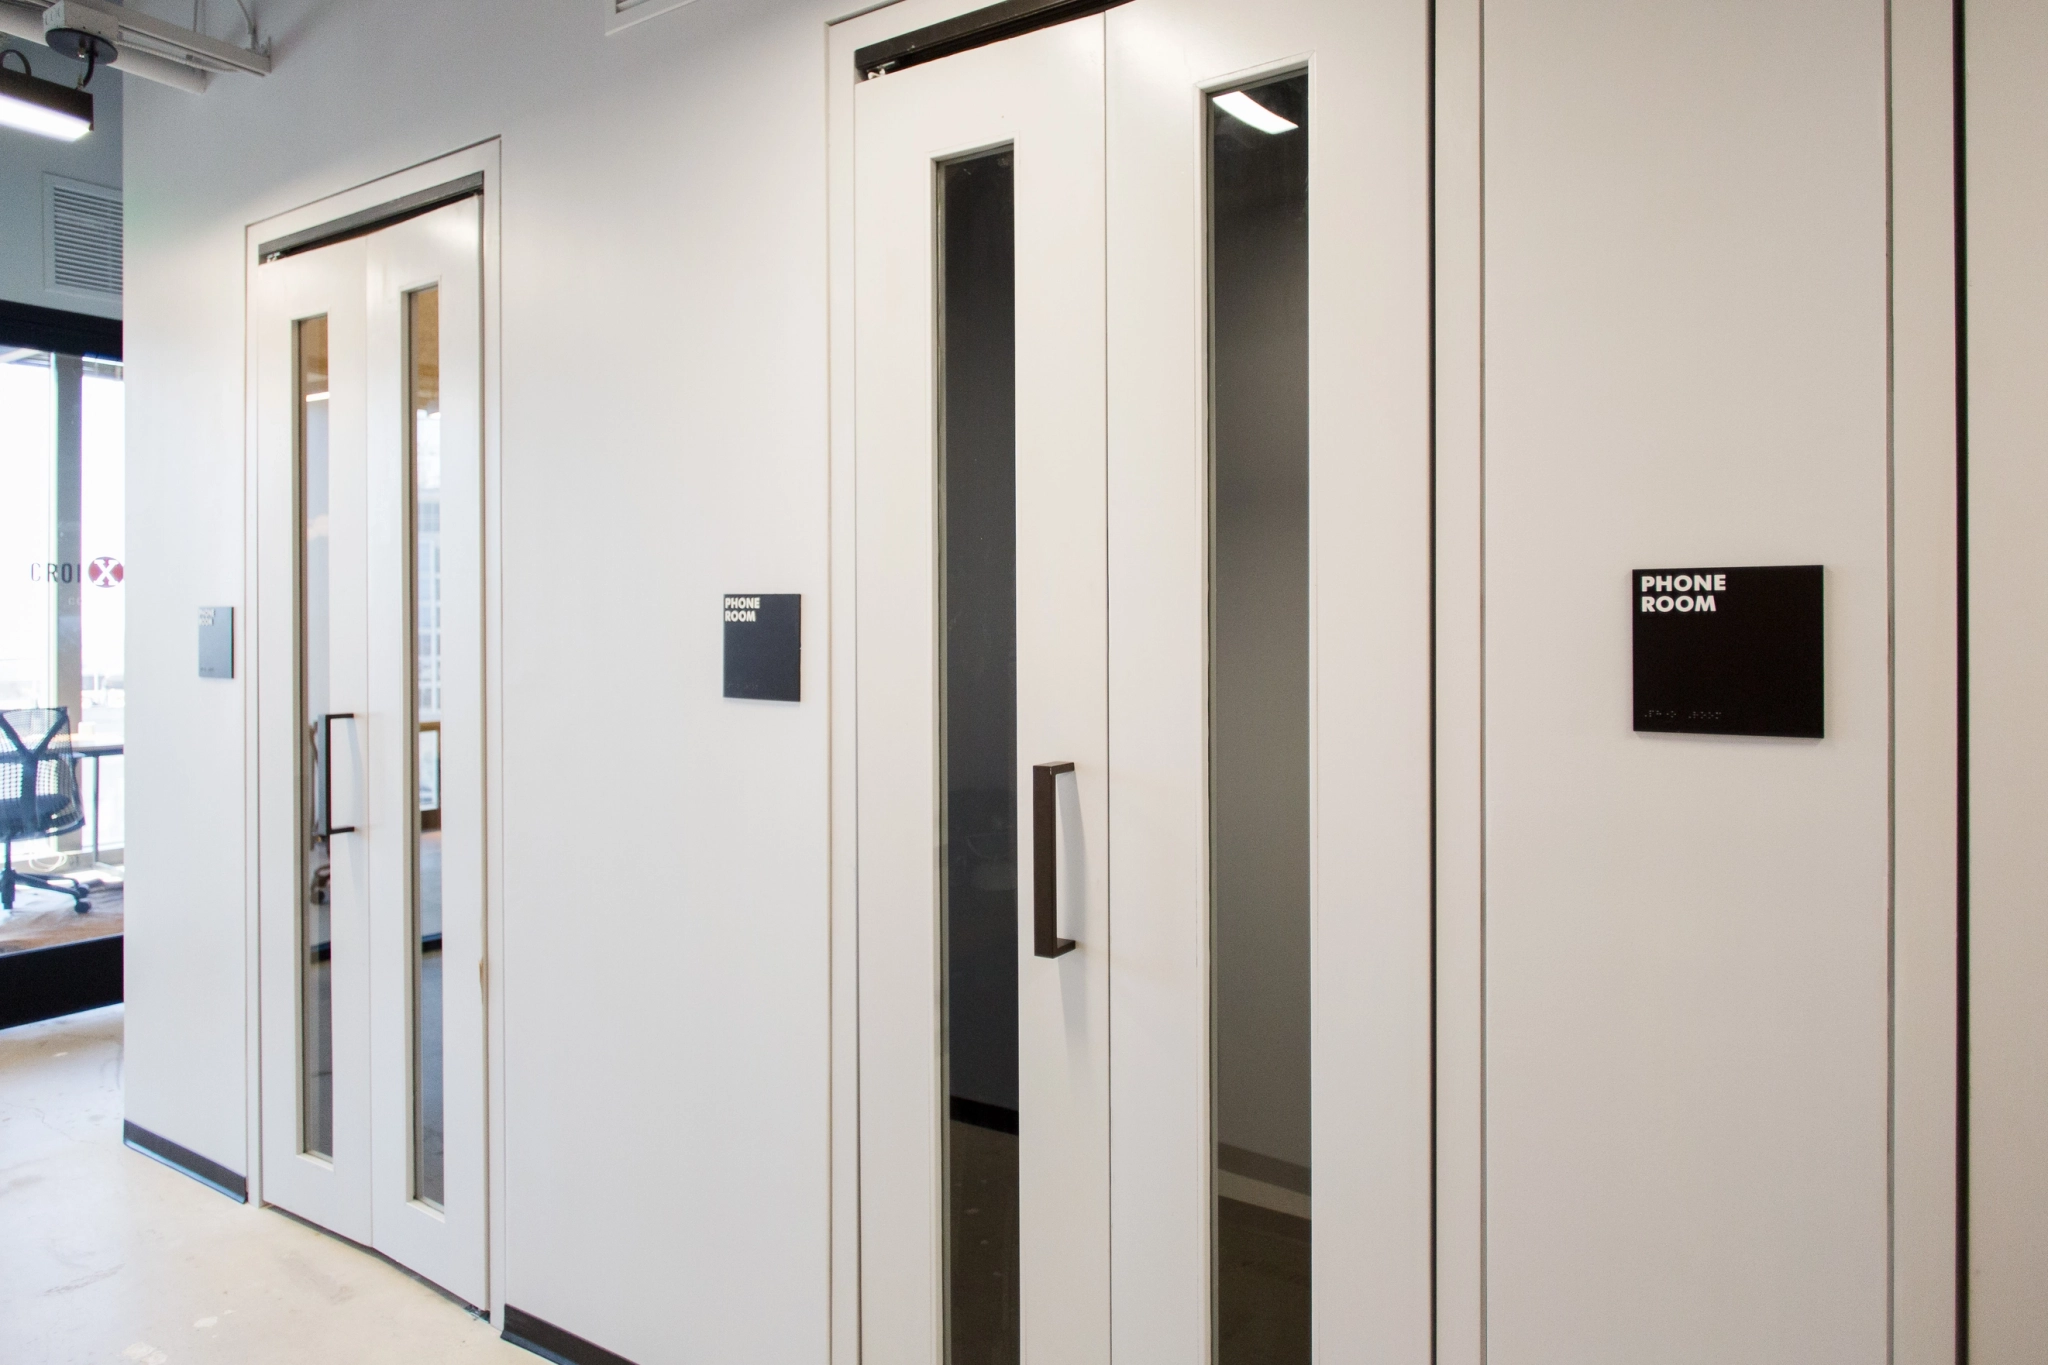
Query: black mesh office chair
{"type": "Point", "coordinates": [38, 796]}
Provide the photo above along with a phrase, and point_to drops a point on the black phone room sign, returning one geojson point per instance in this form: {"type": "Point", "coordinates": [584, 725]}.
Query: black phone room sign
{"type": "Point", "coordinates": [1729, 651]}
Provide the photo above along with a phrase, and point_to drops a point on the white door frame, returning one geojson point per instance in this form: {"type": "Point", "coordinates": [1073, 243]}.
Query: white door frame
{"type": "Point", "coordinates": [478, 159]}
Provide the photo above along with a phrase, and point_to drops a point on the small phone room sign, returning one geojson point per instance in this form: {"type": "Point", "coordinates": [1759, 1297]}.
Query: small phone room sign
{"type": "Point", "coordinates": [1730, 651]}
{"type": "Point", "coordinates": [763, 645]}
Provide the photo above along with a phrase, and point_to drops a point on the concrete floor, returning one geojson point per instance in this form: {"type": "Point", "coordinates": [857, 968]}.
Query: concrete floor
{"type": "Point", "coordinates": [108, 1256]}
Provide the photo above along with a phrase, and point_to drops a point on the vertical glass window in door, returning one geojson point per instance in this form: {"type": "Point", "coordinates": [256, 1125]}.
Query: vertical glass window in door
{"type": "Point", "coordinates": [978, 578]}
{"type": "Point", "coordinates": [1259, 717]}
{"type": "Point", "coordinates": [316, 993]}
{"type": "Point", "coordinates": [423, 383]}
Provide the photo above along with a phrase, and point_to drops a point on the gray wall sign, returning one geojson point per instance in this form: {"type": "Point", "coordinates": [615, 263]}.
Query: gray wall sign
{"type": "Point", "coordinates": [764, 645]}
{"type": "Point", "coordinates": [216, 642]}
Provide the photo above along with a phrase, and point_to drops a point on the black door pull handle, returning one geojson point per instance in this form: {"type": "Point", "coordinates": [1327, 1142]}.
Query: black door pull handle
{"type": "Point", "coordinates": [324, 827]}
{"type": "Point", "coordinates": [1045, 861]}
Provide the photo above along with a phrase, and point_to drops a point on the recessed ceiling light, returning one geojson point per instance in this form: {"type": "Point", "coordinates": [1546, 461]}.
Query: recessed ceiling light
{"type": "Point", "coordinates": [42, 107]}
{"type": "Point", "coordinates": [1245, 109]}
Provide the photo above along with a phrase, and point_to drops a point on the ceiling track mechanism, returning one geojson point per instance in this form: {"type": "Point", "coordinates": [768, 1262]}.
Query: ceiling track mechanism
{"type": "Point", "coordinates": [978, 28]}
{"type": "Point", "coordinates": [151, 48]}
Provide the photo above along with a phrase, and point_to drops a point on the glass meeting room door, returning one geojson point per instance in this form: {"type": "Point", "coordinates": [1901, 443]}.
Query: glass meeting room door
{"type": "Point", "coordinates": [1141, 482]}
{"type": "Point", "coordinates": [368, 661]}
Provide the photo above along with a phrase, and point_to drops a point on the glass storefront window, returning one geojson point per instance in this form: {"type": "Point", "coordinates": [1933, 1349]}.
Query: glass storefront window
{"type": "Point", "coordinates": [102, 673]}
{"type": "Point", "coordinates": [62, 583]}
{"type": "Point", "coordinates": [28, 527]}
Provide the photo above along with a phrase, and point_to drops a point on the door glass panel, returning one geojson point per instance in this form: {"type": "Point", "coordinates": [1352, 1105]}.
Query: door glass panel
{"type": "Point", "coordinates": [978, 514]}
{"type": "Point", "coordinates": [423, 383]}
{"type": "Point", "coordinates": [1259, 717]}
{"type": "Point", "coordinates": [316, 997]}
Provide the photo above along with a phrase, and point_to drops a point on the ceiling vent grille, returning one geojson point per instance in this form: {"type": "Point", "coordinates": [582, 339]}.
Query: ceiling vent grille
{"type": "Point", "coordinates": [82, 232]}
{"type": "Point", "coordinates": [625, 13]}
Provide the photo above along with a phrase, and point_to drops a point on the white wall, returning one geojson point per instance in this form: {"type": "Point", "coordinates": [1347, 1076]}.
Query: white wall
{"type": "Point", "coordinates": [94, 159]}
{"type": "Point", "coordinates": [2007, 119]}
{"type": "Point", "coordinates": [663, 407]}
{"type": "Point", "coordinates": [1685, 363]}
{"type": "Point", "coordinates": [1686, 991]}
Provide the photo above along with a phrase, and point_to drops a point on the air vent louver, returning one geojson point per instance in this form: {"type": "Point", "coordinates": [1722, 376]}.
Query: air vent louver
{"type": "Point", "coordinates": [83, 230]}
{"type": "Point", "coordinates": [620, 14]}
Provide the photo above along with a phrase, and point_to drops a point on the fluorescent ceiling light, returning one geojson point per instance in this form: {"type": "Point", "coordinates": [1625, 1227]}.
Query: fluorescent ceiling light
{"type": "Point", "coordinates": [1245, 109]}
{"type": "Point", "coordinates": [43, 107]}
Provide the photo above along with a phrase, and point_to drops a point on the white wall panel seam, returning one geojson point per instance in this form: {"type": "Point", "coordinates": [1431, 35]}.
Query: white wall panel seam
{"type": "Point", "coordinates": [1925, 757]}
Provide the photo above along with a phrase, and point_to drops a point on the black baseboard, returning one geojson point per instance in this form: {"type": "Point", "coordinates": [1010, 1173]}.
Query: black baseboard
{"type": "Point", "coordinates": [46, 983]}
{"type": "Point", "coordinates": [545, 1339]}
{"type": "Point", "coordinates": [205, 1170]}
